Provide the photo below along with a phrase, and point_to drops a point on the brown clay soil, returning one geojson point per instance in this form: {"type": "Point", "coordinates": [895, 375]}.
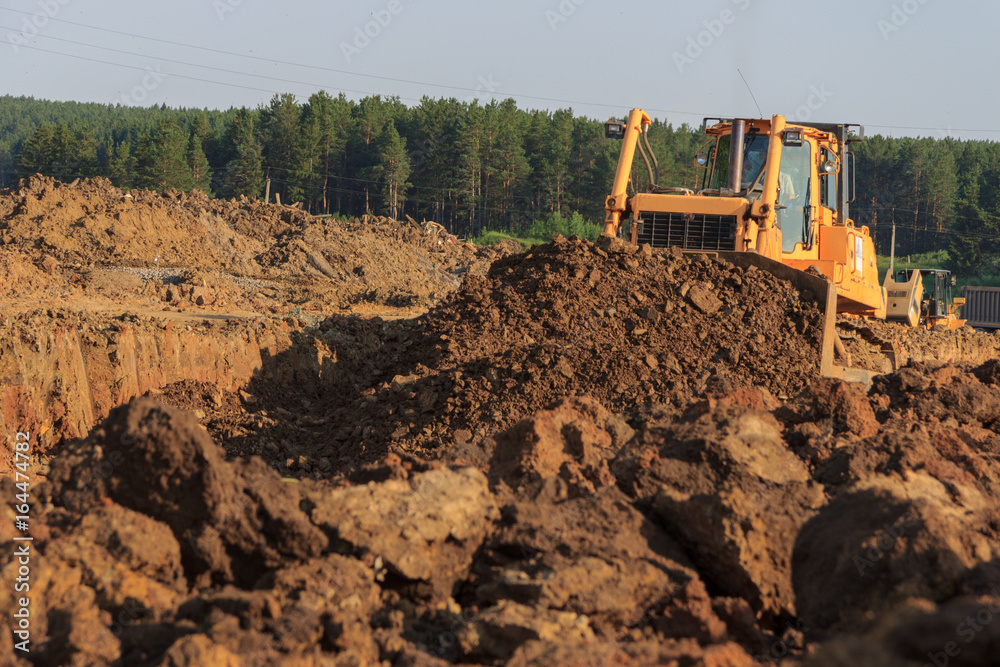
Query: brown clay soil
{"type": "Point", "coordinates": [231, 254]}
{"type": "Point", "coordinates": [430, 454]}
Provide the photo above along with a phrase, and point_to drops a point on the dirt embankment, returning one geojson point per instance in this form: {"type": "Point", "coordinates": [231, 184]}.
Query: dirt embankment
{"type": "Point", "coordinates": [61, 373]}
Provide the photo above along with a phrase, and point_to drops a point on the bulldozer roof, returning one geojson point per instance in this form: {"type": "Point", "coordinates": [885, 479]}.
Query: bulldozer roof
{"type": "Point", "coordinates": [832, 128]}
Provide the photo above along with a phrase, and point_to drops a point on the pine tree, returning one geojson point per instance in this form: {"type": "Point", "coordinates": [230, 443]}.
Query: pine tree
{"type": "Point", "coordinates": [393, 169]}
{"type": "Point", "coordinates": [201, 175]}
{"type": "Point", "coordinates": [161, 159]}
{"type": "Point", "coordinates": [512, 168]}
{"type": "Point", "coordinates": [306, 159]}
{"type": "Point", "coordinates": [244, 173]}
{"type": "Point", "coordinates": [469, 165]}
{"type": "Point", "coordinates": [36, 153]}
{"type": "Point", "coordinates": [61, 152]}
{"type": "Point", "coordinates": [325, 123]}
{"type": "Point", "coordinates": [121, 165]}
{"type": "Point", "coordinates": [433, 157]}
{"type": "Point", "coordinates": [279, 125]}
{"type": "Point", "coordinates": [371, 116]}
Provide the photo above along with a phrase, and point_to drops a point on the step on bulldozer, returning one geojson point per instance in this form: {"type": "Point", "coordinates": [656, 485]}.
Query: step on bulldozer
{"type": "Point", "coordinates": [774, 195]}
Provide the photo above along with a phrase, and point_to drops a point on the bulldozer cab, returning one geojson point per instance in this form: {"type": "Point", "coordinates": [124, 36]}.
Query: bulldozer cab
{"type": "Point", "coordinates": [798, 210]}
{"type": "Point", "coordinates": [940, 299]}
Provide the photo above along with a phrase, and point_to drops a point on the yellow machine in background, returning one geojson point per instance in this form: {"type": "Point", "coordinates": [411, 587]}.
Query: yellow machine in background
{"type": "Point", "coordinates": [905, 290]}
{"type": "Point", "coordinates": [774, 194]}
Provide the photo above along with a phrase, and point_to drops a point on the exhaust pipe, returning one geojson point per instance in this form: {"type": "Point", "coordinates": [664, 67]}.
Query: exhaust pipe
{"type": "Point", "coordinates": [734, 182]}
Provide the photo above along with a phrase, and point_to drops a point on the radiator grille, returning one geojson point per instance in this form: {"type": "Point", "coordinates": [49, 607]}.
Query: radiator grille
{"type": "Point", "coordinates": [690, 231]}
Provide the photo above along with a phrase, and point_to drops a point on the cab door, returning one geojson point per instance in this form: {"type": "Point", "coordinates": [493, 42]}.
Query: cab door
{"type": "Point", "coordinates": [796, 195]}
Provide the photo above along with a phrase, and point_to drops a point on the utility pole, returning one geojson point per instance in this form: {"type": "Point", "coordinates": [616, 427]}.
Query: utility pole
{"type": "Point", "coordinates": [892, 251]}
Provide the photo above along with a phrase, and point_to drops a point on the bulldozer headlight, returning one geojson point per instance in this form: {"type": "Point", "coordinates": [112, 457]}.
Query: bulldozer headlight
{"type": "Point", "coordinates": [614, 129]}
{"type": "Point", "coordinates": [829, 167]}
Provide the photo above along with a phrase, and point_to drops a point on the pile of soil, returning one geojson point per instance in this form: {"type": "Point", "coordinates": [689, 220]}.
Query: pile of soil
{"type": "Point", "coordinates": [20, 276]}
{"type": "Point", "coordinates": [320, 262]}
{"type": "Point", "coordinates": [94, 222]}
{"type": "Point", "coordinates": [737, 532]}
{"type": "Point", "coordinates": [629, 327]}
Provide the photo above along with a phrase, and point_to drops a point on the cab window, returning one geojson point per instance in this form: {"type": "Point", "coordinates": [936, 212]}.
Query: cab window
{"type": "Point", "coordinates": [793, 195]}
{"type": "Point", "coordinates": [754, 157]}
{"type": "Point", "coordinates": [720, 171]}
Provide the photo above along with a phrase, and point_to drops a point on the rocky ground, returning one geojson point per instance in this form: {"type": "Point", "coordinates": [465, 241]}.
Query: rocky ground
{"type": "Point", "coordinates": [583, 454]}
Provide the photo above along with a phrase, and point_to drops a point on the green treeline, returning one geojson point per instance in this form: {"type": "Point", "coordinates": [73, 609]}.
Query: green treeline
{"type": "Point", "coordinates": [941, 194]}
{"type": "Point", "coordinates": [467, 166]}
{"type": "Point", "coordinates": [471, 167]}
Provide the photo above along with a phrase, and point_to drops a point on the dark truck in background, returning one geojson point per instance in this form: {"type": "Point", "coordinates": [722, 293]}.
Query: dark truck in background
{"type": "Point", "coordinates": [982, 307]}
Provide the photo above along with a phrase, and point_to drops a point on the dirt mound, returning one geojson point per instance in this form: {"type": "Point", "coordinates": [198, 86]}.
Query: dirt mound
{"type": "Point", "coordinates": [574, 440]}
{"type": "Point", "coordinates": [367, 262]}
{"type": "Point", "coordinates": [92, 221]}
{"type": "Point", "coordinates": [231, 520]}
{"type": "Point", "coordinates": [726, 483]}
{"type": "Point", "coordinates": [589, 453]}
{"type": "Point", "coordinates": [321, 261]}
{"type": "Point", "coordinates": [20, 275]}
{"type": "Point", "coordinates": [626, 326]}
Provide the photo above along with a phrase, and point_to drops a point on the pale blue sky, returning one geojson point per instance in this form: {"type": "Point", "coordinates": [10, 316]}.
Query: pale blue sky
{"type": "Point", "coordinates": [889, 65]}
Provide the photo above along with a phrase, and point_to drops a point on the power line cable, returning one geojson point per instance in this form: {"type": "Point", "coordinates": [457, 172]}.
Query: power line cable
{"type": "Point", "coordinates": [143, 69]}
{"type": "Point", "coordinates": [338, 71]}
{"type": "Point", "coordinates": [181, 62]}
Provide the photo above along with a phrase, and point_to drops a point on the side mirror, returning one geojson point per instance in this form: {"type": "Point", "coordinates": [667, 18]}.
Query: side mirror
{"type": "Point", "coordinates": [829, 167]}
{"type": "Point", "coordinates": [702, 160]}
